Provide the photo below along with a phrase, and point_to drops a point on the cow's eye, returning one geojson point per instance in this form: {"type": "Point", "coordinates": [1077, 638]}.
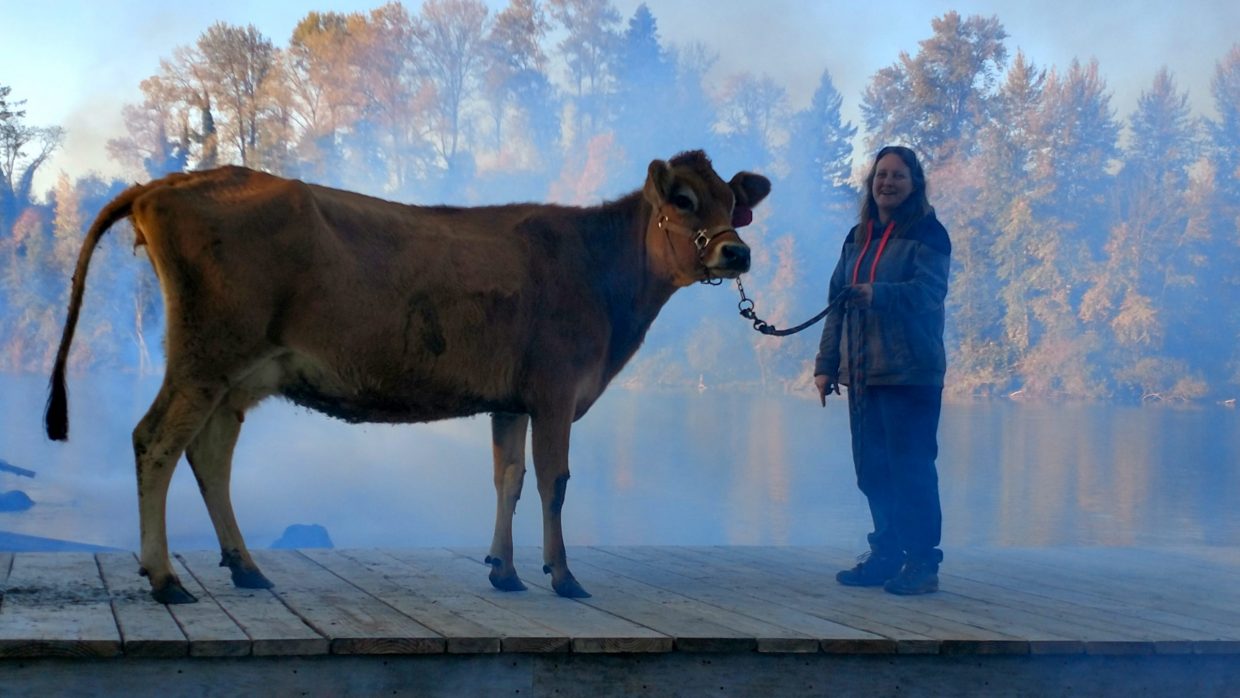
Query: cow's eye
{"type": "Point", "coordinates": [682, 202]}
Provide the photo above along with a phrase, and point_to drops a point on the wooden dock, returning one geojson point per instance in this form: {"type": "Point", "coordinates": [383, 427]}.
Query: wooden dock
{"type": "Point", "coordinates": [682, 621]}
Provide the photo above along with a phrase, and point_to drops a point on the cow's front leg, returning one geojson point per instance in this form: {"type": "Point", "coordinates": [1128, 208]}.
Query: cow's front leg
{"type": "Point", "coordinates": [551, 467]}
{"type": "Point", "coordinates": [508, 447]}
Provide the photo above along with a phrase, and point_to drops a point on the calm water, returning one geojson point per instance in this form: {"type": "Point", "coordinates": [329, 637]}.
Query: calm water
{"type": "Point", "coordinates": [648, 468]}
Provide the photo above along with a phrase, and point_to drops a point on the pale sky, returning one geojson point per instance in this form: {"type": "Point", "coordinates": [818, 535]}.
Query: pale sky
{"type": "Point", "coordinates": [77, 62]}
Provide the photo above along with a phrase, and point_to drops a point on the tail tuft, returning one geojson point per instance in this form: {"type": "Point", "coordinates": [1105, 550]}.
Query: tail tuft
{"type": "Point", "coordinates": [56, 419]}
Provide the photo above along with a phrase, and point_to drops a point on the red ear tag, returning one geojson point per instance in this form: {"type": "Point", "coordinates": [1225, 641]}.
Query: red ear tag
{"type": "Point", "coordinates": [742, 216]}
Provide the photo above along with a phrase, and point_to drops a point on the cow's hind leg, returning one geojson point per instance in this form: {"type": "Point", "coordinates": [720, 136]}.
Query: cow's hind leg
{"type": "Point", "coordinates": [508, 446]}
{"type": "Point", "coordinates": [210, 455]}
{"type": "Point", "coordinates": [550, 436]}
{"type": "Point", "coordinates": [158, 442]}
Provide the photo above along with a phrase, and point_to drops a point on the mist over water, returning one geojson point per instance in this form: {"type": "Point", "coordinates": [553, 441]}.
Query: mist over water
{"type": "Point", "coordinates": [649, 467]}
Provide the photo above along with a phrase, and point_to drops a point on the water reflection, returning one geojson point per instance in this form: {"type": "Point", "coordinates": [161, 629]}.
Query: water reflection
{"type": "Point", "coordinates": [648, 468]}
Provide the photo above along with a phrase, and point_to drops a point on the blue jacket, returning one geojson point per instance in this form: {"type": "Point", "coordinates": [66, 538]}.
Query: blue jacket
{"type": "Point", "coordinates": [903, 328]}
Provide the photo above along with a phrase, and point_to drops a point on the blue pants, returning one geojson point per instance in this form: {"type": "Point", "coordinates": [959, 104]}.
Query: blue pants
{"type": "Point", "coordinates": [895, 444]}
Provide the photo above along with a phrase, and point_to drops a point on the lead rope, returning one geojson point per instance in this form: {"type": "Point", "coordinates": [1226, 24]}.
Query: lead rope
{"type": "Point", "coordinates": [746, 307]}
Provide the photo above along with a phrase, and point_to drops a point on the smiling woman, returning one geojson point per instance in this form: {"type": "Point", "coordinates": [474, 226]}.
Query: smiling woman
{"type": "Point", "coordinates": [884, 339]}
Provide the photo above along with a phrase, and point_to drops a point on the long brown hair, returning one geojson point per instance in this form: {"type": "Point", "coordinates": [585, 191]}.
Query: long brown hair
{"type": "Point", "coordinates": [914, 207]}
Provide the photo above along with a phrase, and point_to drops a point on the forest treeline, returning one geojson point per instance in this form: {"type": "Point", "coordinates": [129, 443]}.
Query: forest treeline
{"type": "Point", "coordinates": [1096, 256]}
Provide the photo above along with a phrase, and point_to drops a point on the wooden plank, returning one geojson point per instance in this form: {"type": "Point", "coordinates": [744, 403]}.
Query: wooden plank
{"type": "Point", "coordinates": [208, 627]}
{"type": "Point", "coordinates": [590, 629]}
{"type": "Point", "coordinates": [1221, 555]}
{"type": "Point", "coordinates": [1049, 629]}
{"type": "Point", "coordinates": [703, 567]}
{"type": "Point", "coordinates": [695, 626]}
{"type": "Point", "coordinates": [950, 620]}
{"type": "Point", "coordinates": [354, 621]}
{"type": "Point", "coordinates": [778, 629]}
{"type": "Point", "coordinates": [147, 627]}
{"type": "Point", "coordinates": [55, 604]}
{"type": "Point", "coordinates": [1172, 631]}
{"type": "Point", "coordinates": [463, 636]}
{"type": "Point", "coordinates": [272, 628]}
{"type": "Point", "coordinates": [515, 632]}
{"type": "Point", "coordinates": [671, 572]}
{"type": "Point", "coordinates": [664, 568]}
{"type": "Point", "coordinates": [1150, 572]}
{"type": "Point", "coordinates": [941, 617]}
{"type": "Point", "coordinates": [1138, 588]}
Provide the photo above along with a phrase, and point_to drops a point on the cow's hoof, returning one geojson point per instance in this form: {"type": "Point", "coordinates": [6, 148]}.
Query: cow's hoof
{"type": "Point", "coordinates": [249, 579]}
{"type": "Point", "coordinates": [504, 581]}
{"type": "Point", "coordinates": [173, 593]}
{"type": "Point", "coordinates": [569, 588]}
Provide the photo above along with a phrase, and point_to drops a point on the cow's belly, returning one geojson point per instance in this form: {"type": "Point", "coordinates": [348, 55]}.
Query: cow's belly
{"type": "Point", "coordinates": [392, 409]}
{"type": "Point", "coordinates": [397, 398]}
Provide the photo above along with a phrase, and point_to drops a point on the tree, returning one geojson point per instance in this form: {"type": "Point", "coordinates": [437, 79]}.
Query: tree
{"type": "Point", "coordinates": [449, 36]}
{"type": "Point", "coordinates": [150, 148]}
{"type": "Point", "coordinates": [937, 100]}
{"type": "Point", "coordinates": [819, 156]}
{"type": "Point", "coordinates": [987, 202]}
{"type": "Point", "coordinates": [321, 91]}
{"type": "Point", "coordinates": [645, 95]}
{"type": "Point", "coordinates": [751, 113]}
{"type": "Point", "coordinates": [589, 50]}
{"type": "Point", "coordinates": [514, 59]}
{"type": "Point", "coordinates": [237, 62]}
{"type": "Point", "coordinates": [1225, 133]}
{"type": "Point", "coordinates": [1164, 139]}
{"type": "Point", "coordinates": [388, 143]}
{"type": "Point", "coordinates": [23, 150]}
{"type": "Point", "coordinates": [1058, 234]}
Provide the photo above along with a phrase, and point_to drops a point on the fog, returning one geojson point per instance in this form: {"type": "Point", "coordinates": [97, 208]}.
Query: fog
{"type": "Point", "coordinates": [1092, 318]}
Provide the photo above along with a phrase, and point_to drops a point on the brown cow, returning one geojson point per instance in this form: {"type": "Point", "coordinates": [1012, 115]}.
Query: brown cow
{"type": "Point", "coordinates": [373, 311]}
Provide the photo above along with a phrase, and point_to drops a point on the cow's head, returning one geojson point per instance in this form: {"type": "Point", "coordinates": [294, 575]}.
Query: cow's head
{"type": "Point", "coordinates": [692, 232]}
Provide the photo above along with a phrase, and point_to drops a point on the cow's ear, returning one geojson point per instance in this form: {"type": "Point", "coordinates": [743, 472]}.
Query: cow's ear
{"type": "Point", "coordinates": [659, 182]}
{"type": "Point", "coordinates": [749, 188]}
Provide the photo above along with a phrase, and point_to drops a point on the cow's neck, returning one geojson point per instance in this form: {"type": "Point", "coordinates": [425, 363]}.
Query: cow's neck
{"type": "Point", "coordinates": [632, 288]}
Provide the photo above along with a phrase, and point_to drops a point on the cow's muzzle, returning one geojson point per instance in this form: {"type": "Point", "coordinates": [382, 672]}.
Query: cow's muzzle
{"type": "Point", "coordinates": [723, 255]}
{"type": "Point", "coordinates": [735, 256]}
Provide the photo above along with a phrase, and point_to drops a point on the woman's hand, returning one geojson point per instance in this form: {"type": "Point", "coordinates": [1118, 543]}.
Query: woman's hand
{"type": "Point", "coordinates": [860, 296]}
{"type": "Point", "coordinates": [825, 385]}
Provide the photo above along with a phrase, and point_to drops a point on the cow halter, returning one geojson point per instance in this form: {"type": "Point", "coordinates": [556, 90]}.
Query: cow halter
{"type": "Point", "coordinates": [702, 237]}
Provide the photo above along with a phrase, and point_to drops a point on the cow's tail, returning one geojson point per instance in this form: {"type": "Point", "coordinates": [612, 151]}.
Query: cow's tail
{"type": "Point", "coordinates": [56, 418]}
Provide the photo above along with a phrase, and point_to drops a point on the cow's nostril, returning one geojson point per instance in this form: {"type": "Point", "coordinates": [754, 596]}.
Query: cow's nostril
{"type": "Point", "coordinates": [735, 257]}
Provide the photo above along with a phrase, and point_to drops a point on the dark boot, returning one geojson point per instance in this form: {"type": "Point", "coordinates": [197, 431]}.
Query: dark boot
{"type": "Point", "coordinates": [872, 570]}
{"type": "Point", "coordinates": [916, 577]}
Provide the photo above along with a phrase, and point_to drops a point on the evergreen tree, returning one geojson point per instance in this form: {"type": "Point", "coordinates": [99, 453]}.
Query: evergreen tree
{"type": "Point", "coordinates": [1146, 257]}
{"type": "Point", "coordinates": [984, 202]}
{"type": "Point", "coordinates": [937, 100]}
{"type": "Point", "coordinates": [1063, 231]}
{"type": "Point", "coordinates": [819, 158]}
{"type": "Point", "coordinates": [645, 96]}
{"type": "Point", "coordinates": [1216, 216]}
{"type": "Point", "coordinates": [1225, 133]}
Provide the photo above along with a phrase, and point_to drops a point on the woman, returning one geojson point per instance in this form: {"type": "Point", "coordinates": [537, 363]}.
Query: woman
{"type": "Point", "coordinates": [884, 339]}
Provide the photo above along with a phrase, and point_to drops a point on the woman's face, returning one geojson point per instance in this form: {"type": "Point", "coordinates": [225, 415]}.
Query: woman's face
{"type": "Point", "coordinates": [892, 183]}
